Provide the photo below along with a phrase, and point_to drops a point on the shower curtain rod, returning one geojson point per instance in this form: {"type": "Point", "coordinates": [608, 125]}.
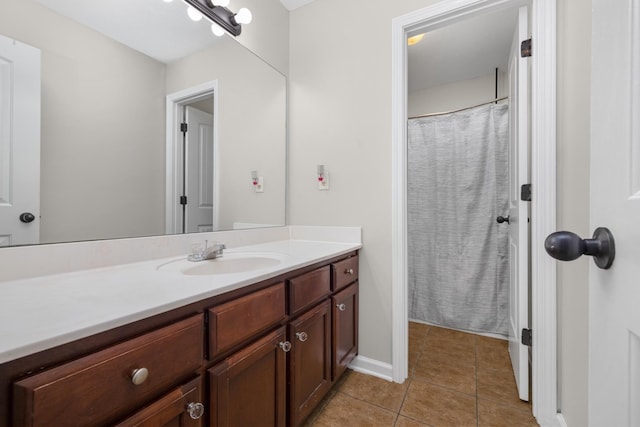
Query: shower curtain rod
{"type": "Point", "coordinates": [461, 109]}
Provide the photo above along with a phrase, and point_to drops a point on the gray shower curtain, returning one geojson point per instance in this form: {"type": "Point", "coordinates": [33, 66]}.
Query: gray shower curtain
{"type": "Point", "coordinates": [457, 186]}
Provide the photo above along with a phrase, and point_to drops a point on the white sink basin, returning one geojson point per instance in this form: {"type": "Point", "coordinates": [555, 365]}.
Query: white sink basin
{"type": "Point", "coordinates": [230, 263]}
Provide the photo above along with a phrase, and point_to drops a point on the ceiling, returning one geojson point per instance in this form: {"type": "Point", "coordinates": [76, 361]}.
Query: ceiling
{"type": "Point", "coordinates": [467, 49]}
{"type": "Point", "coordinates": [294, 4]}
{"type": "Point", "coordinates": [464, 50]}
{"type": "Point", "coordinates": [167, 33]}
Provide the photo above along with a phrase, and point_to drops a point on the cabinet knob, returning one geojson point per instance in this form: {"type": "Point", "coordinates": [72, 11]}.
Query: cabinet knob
{"type": "Point", "coordinates": [139, 376]}
{"type": "Point", "coordinates": [341, 307]}
{"type": "Point", "coordinates": [349, 271]}
{"type": "Point", "coordinates": [195, 410]}
{"type": "Point", "coordinates": [285, 346]}
{"type": "Point", "coordinates": [302, 336]}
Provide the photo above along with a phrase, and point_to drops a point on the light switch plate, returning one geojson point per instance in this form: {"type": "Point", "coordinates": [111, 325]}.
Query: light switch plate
{"type": "Point", "coordinates": [324, 184]}
{"type": "Point", "coordinates": [260, 186]}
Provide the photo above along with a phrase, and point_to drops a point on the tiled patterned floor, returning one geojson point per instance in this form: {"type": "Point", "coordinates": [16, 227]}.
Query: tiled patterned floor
{"type": "Point", "coordinates": [455, 379]}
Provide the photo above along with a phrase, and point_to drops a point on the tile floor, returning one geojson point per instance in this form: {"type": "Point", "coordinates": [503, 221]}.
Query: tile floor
{"type": "Point", "coordinates": [455, 379]}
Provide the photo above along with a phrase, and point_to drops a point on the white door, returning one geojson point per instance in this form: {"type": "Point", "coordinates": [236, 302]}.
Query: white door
{"type": "Point", "coordinates": [19, 143]}
{"type": "Point", "coordinates": [518, 209]}
{"type": "Point", "coordinates": [199, 171]}
{"type": "Point", "coordinates": [614, 294]}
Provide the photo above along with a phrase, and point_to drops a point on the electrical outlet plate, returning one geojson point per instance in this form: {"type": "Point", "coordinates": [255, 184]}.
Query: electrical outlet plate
{"type": "Point", "coordinates": [259, 187]}
{"type": "Point", "coordinates": [324, 184]}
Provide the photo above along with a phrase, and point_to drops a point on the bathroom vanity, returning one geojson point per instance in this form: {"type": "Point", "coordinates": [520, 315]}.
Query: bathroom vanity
{"type": "Point", "coordinates": [239, 348]}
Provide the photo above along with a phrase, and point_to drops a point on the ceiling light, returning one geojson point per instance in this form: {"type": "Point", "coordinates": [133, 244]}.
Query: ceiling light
{"type": "Point", "coordinates": [243, 16]}
{"type": "Point", "coordinates": [217, 30]}
{"type": "Point", "coordinates": [217, 12]}
{"type": "Point", "coordinates": [415, 39]}
{"type": "Point", "coordinates": [194, 14]}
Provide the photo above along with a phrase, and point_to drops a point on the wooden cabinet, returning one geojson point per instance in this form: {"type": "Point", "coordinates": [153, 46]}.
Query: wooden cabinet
{"type": "Point", "coordinates": [345, 328]}
{"type": "Point", "coordinates": [181, 408]}
{"type": "Point", "coordinates": [264, 355]}
{"type": "Point", "coordinates": [103, 387]}
{"type": "Point", "coordinates": [309, 361]}
{"type": "Point", "coordinates": [240, 319]}
{"type": "Point", "coordinates": [249, 388]}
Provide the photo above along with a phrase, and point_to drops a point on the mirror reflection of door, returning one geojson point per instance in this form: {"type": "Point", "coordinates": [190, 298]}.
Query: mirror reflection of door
{"type": "Point", "coordinates": [198, 161]}
{"type": "Point", "coordinates": [19, 143]}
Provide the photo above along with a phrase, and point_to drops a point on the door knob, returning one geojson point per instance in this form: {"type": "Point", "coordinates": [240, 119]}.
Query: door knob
{"type": "Point", "coordinates": [27, 217]}
{"type": "Point", "coordinates": [502, 219]}
{"type": "Point", "coordinates": [567, 246]}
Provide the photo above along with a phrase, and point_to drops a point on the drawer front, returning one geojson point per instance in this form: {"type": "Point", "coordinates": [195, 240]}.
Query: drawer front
{"type": "Point", "coordinates": [309, 288]}
{"type": "Point", "coordinates": [99, 388]}
{"type": "Point", "coordinates": [181, 407]}
{"type": "Point", "coordinates": [236, 321]}
{"type": "Point", "coordinates": [344, 272]}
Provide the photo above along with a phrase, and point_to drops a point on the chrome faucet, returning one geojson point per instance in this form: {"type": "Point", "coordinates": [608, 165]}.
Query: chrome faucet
{"type": "Point", "coordinates": [209, 252]}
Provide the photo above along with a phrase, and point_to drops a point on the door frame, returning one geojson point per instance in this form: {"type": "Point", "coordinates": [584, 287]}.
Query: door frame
{"type": "Point", "coordinates": [543, 180]}
{"type": "Point", "coordinates": [174, 103]}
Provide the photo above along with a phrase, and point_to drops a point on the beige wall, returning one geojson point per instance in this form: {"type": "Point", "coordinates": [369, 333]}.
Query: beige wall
{"type": "Point", "coordinates": [95, 183]}
{"type": "Point", "coordinates": [452, 96]}
{"type": "Point", "coordinates": [341, 117]}
{"type": "Point", "coordinates": [251, 131]}
{"type": "Point", "coordinates": [268, 34]}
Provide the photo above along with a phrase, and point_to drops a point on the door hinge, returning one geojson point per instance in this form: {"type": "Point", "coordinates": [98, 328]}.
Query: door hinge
{"type": "Point", "coordinates": [525, 48]}
{"type": "Point", "coordinates": [183, 127]}
{"type": "Point", "coordinates": [526, 337]}
{"type": "Point", "coordinates": [183, 200]}
{"type": "Point", "coordinates": [525, 193]}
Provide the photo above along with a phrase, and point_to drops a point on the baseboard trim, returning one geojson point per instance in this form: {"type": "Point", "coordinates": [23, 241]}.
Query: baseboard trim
{"type": "Point", "coordinates": [561, 420]}
{"type": "Point", "coordinates": [373, 367]}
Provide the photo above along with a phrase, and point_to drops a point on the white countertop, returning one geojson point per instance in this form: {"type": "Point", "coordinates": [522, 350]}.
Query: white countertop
{"type": "Point", "coordinates": [43, 312]}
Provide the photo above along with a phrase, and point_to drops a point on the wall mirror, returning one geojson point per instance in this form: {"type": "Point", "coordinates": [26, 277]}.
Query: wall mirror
{"type": "Point", "coordinates": [116, 80]}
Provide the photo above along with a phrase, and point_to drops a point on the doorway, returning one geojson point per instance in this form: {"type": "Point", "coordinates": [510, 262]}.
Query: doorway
{"type": "Point", "coordinates": [191, 185]}
{"type": "Point", "coordinates": [542, 178]}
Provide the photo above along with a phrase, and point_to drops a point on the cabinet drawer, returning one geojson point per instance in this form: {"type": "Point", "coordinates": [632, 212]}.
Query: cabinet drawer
{"type": "Point", "coordinates": [238, 320]}
{"type": "Point", "coordinates": [181, 407]}
{"type": "Point", "coordinates": [344, 272]}
{"type": "Point", "coordinates": [99, 388]}
{"type": "Point", "coordinates": [309, 288]}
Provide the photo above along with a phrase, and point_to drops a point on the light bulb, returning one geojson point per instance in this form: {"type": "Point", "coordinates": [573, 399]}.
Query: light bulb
{"type": "Point", "coordinates": [194, 13]}
{"type": "Point", "coordinates": [243, 16]}
{"type": "Point", "coordinates": [223, 3]}
{"type": "Point", "coordinates": [217, 30]}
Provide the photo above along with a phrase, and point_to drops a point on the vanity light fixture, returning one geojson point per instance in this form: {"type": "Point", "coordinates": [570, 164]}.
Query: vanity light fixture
{"type": "Point", "coordinates": [223, 19]}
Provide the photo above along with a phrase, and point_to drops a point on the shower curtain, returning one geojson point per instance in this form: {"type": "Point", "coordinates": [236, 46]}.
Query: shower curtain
{"type": "Point", "coordinates": [457, 186]}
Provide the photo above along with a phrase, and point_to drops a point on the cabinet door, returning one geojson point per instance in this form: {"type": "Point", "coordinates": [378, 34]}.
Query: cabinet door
{"type": "Point", "coordinates": [249, 387]}
{"type": "Point", "coordinates": [181, 408]}
{"type": "Point", "coordinates": [310, 361]}
{"type": "Point", "coordinates": [345, 329]}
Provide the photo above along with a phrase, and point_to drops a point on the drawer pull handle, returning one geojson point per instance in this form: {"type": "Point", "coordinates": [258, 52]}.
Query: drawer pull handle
{"type": "Point", "coordinates": [348, 271]}
{"type": "Point", "coordinates": [341, 307]}
{"type": "Point", "coordinates": [195, 410]}
{"type": "Point", "coordinates": [302, 336]}
{"type": "Point", "coordinates": [139, 376]}
{"type": "Point", "coordinates": [285, 346]}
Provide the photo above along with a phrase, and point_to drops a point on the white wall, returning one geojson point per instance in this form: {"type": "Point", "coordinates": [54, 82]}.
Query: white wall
{"type": "Point", "coordinates": [340, 116]}
{"type": "Point", "coordinates": [95, 183]}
